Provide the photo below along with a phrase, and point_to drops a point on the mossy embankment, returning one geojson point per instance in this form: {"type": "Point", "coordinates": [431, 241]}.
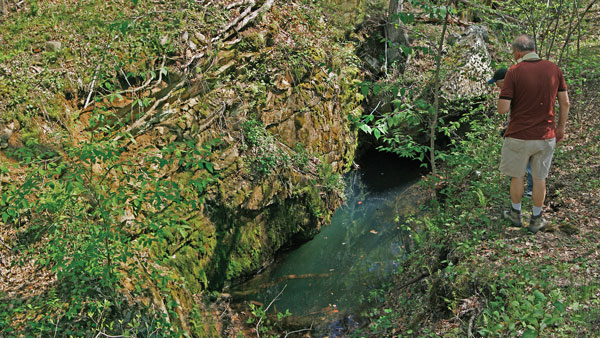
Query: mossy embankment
{"type": "Point", "coordinates": [158, 150]}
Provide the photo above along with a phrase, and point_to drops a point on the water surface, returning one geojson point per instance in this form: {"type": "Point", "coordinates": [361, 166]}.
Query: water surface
{"type": "Point", "coordinates": [330, 277]}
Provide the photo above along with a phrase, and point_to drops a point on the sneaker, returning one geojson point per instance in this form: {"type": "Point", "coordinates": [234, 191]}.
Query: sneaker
{"type": "Point", "coordinates": [537, 223]}
{"type": "Point", "coordinates": [514, 216]}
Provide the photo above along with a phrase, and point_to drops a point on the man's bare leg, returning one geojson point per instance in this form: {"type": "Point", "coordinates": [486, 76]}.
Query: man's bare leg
{"type": "Point", "coordinates": [538, 193]}
{"type": "Point", "coordinates": [516, 189]}
{"type": "Point", "coordinates": [516, 192]}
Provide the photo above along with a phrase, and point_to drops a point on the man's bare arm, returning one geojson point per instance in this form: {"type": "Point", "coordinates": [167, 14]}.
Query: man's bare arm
{"type": "Point", "coordinates": [563, 113]}
{"type": "Point", "coordinates": [503, 106]}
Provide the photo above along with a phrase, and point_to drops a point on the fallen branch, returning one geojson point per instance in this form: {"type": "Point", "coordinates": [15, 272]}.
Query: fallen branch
{"type": "Point", "coordinates": [224, 311]}
{"type": "Point", "coordinates": [265, 7]}
{"type": "Point", "coordinates": [87, 101]}
{"type": "Point", "coordinates": [472, 323]}
{"type": "Point", "coordinates": [238, 3]}
{"type": "Point", "coordinates": [238, 19]}
{"type": "Point", "coordinates": [298, 331]}
{"type": "Point", "coordinates": [150, 113]}
{"type": "Point", "coordinates": [147, 83]}
{"type": "Point", "coordinates": [504, 16]}
{"type": "Point", "coordinates": [5, 245]}
{"type": "Point", "coordinates": [210, 121]}
{"type": "Point", "coordinates": [244, 19]}
{"type": "Point", "coordinates": [414, 280]}
{"type": "Point", "coordinates": [194, 57]}
{"type": "Point", "coordinates": [267, 309]}
{"type": "Point", "coordinates": [108, 336]}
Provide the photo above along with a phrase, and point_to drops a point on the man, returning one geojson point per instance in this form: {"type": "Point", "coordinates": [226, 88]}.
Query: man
{"type": "Point", "coordinates": [498, 80]}
{"type": "Point", "coordinates": [498, 77]}
{"type": "Point", "coordinates": [529, 91]}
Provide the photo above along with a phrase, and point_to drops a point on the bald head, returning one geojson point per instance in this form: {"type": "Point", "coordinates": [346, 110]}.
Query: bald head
{"type": "Point", "coordinates": [523, 43]}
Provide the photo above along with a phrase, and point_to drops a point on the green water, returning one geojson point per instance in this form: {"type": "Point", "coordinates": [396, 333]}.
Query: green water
{"type": "Point", "coordinates": [330, 277]}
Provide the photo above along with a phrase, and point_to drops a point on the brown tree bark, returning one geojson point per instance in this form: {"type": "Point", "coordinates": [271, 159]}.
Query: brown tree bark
{"type": "Point", "coordinates": [436, 104]}
{"type": "Point", "coordinates": [558, 17]}
{"type": "Point", "coordinates": [578, 26]}
{"type": "Point", "coordinates": [3, 7]}
{"type": "Point", "coordinates": [395, 34]}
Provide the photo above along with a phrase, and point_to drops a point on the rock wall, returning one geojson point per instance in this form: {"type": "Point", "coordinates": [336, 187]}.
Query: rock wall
{"type": "Point", "coordinates": [467, 66]}
{"type": "Point", "coordinates": [264, 98]}
{"type": "Point", "coordinates": [276, 104]}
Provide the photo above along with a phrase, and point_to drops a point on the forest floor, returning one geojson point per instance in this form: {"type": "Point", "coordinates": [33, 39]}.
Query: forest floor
{"type": "Point", "coordinates": [476, 275]}
{"type": "Point", "coordinates": [479, 276]}
{"type": "Point", "coordinates": [493, 279]}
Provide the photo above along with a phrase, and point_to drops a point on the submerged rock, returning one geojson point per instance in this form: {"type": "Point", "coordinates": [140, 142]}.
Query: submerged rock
{"type": "Point", "coordinates": [53, 46]}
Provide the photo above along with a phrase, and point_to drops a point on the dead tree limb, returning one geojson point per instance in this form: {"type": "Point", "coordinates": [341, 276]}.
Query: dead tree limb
{"type": "Point", "coordinates": [414, 280]}
{"type": "Point", "coordinates": [504, 16]}
{"type": "Point", "coordinates": [265, 7]}
{"type": "Point", "coordinates": [239, 3]}
{"type": "Point", "coordinates": [472, 323]}
{"type": "Point", "coordinates": [151, 112]}
{"type": "Point", "coordinates": [558, 16]}
{"type": "Point", "coordinates": [298, 331]}
{"type": "Point", "coordinates": [267, 309]}
{"type": "Point", "coordinates": [87, 100]}
{"type": "Point", "coordinates": [568, 38]}
{"type": "Point", "coordinates": [239, 18]}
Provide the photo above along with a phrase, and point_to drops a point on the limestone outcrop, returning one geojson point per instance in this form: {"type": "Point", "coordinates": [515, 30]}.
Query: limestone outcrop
{"type": "Point", "coordinates": [467, 65]}
{"type": "Point", "coordinates": [276, 112]}
{"type": "Point", "coordinates": [207, 152]}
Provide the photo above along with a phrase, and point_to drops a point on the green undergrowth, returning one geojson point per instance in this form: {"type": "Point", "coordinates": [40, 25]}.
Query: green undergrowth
{"type": "Point", "coordinates": [478, 276]}
{"type": "Point", "coordinates": [104, 49]}
{"type": "Point", "coordinates": [121, 228]}
{"type": "Point", "coordinates": [94, 219]}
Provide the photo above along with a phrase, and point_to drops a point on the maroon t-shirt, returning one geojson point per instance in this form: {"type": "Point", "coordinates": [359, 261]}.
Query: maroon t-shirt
{"type": "Point", "coordinates": [532, 86]}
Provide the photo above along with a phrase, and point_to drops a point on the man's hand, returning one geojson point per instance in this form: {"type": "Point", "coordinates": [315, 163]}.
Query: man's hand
{"type": "Point", "coordinates": [560, 134]}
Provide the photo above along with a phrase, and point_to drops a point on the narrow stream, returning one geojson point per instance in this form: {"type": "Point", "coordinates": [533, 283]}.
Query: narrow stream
{"type": "Point", "coordinates": [328, 279]}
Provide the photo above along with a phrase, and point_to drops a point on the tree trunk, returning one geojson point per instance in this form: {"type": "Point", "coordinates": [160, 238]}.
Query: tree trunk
{"type": "Point", "coordinates": [395, 35]}
{"type": "Point", "coordinates": [3, 7]}
{"type": "Point", "coordinates": [558, 16]}
{"type": "Point", "coordinates": [436, 102]}
{"type": "Point", "coordinates": [578, 27]}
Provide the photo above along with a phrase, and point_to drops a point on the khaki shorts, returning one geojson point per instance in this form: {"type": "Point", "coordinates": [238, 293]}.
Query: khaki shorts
{"type": "Point", "coordinates": [516, 153]}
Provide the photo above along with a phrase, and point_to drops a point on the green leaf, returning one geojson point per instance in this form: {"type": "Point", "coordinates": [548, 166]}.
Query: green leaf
{"type": "Point", "coordinates": [560, 307]}
{"type": "Point", "coordinates": [377, 133]}
{"type": "Point", "coordinates": [376, 89]}
{"type": "Point", "coordinates": [530, 333]}
{"type": "Point", "coordinates": [364, 89]}
{"type": "Point", "coordinates": [539, 296]}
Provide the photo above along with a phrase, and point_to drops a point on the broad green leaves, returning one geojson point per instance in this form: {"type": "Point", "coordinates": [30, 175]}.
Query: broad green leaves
{"type": "Point", "coordinates": [96, 207]}
{"type": "Point", "coordinates": [532, 312]}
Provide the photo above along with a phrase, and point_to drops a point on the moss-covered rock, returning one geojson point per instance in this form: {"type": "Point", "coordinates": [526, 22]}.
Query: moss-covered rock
{"type": "Point", "coordinates": [250, 126]}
